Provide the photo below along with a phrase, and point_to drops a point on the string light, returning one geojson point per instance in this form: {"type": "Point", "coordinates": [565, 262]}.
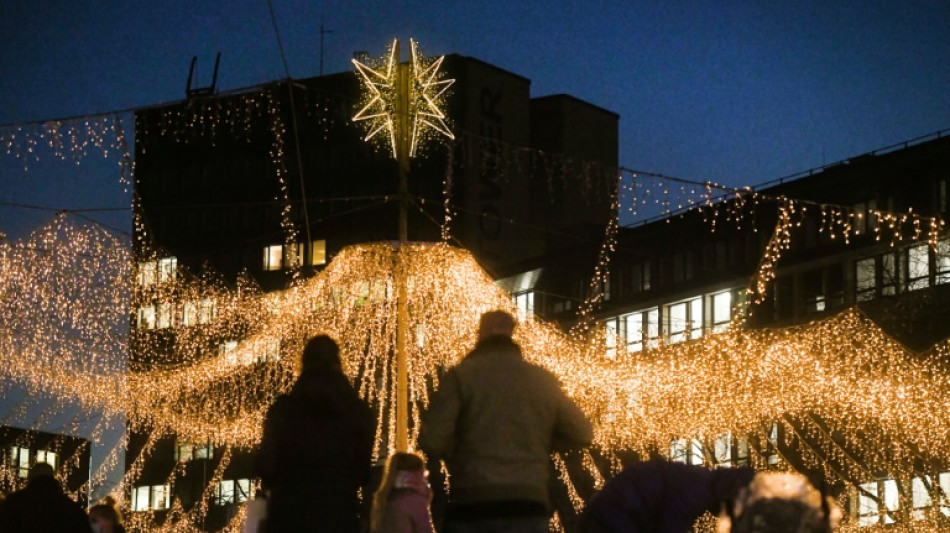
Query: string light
{"type": "Point", "coordinates": [425, 97]}
{"type": "Point", "coordinates": [857, 400]}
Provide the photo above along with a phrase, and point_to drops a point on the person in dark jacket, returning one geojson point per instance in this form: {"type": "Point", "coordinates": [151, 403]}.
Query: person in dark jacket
{"type": "Point", "coordinates": [316, 450]}
{"type": "Point", "coordinates": [42, 507]}
{"type": "Point", "coordinates": [667, 497]}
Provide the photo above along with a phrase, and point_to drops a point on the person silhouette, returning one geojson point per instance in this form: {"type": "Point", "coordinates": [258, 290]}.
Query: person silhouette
{"type": "Point", "coordinates": [316, 448]}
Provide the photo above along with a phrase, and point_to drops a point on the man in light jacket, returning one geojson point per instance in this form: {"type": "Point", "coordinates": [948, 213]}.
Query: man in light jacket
{"type": "Point", "coordinates": [496, 419]}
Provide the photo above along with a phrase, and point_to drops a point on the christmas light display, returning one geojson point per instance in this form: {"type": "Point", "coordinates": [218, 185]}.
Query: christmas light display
{"type": "Point", "coordinates": [850, 401]}
{"type": "Point", "coordinates": [414, 95]}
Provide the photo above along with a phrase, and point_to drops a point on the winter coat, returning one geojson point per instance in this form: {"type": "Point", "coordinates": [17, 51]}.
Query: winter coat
{"type": "Point", "coordinates": [315, 454]}
{"type": "Point", "coordinates": [408, 508]}
{"type": "Point", "coordinates": [495, 420]}
{"type": "Point", "coordinates": [661, 497]}
{"type": "Point", "coordinates": [42, 507]}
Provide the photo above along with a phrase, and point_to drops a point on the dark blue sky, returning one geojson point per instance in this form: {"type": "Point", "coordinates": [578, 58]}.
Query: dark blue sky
{"type": "Point", "coordinates": [736, 92]}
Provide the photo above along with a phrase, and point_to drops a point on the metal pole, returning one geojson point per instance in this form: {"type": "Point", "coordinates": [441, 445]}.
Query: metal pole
{"type": "Point", "coordinates": [404, 75]}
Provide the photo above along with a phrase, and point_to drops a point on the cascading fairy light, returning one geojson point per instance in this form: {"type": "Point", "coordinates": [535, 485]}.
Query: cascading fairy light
{"type": "Point", "coordinates": [842, 371]}
{"type": "Point", "coordinates": [221, 394]}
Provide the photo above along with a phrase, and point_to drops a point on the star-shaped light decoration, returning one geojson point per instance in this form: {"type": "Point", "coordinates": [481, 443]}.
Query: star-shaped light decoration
{"type": "Point", "coordinates": [385, 81]}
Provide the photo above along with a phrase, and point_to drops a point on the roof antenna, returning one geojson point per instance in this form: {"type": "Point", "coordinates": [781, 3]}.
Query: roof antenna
{"type": "Point", "coordinates": [322, 33]}
{"type": "Point", "coordinates": [202, 91]}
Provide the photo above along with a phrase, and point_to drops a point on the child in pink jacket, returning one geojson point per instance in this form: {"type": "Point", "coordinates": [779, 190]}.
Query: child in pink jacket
{"type": "Point", "coordinates": [401, 504]}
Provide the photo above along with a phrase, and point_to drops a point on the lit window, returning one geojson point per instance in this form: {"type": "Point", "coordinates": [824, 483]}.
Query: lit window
{"type": "Point", "coordinates": [148, 273]}
{"type": "Point", "coordinates": [226, 349]}
{"type": "Point", "coordinates": [164, 315]}
{"type": "Point", "coordinates": [641, 330]}
{"type": "Point", "coordinates": [634, 327]}
{"type": "Point", "coordinates": [318, 252]}
{"type": "Point", "coordinates": [140, 498]}
{"type": "Point", "coordinates": [722, 449]}
{"type": "Point", "coordinates": [207, 311]}
{"type": "Point", "coordinates": [917, 266]}
{"type": "Point", "coordinates": [891, 499]}
{"type": "Point", "coordinates": [943, 261]}
{"type": "Point", "coordinates": [653, 328]}
{"type": "Point", "coordinates": [161, 497]}
{"type": "Point", "coordinates": [167, 269]}
{"type": "Point", "coordinates": [151, 498]}
{"type": "Point", "coordinates": [684, 320]}
{"type": "Point", "coordinates": [686, 451]}
{"type": "Point", "coordinates": [867, 504]}
{"type": "Point", "coordinates": [920, 496]}
{"type": "Point", "coordinates": [721, 310]}
{"type": "Point", "coordinates": [46, 456]}
{"type": "Point", "coordinates": [184, 453]}
{"type": "Point", "coordinates": [189, 314]}
{"type": "Point", "coordinates": [677, 322]}
{"type": "Point", "coordinates": [612, 327]}
{"type": "Point", "coordinates": [770, 453]}
{"type": "Point", "coordinates": [233, 491]}
{"type": "Point", "coordinates": [203, 452]}
{"type": "Point", "coordinates": [146, 317]}
{"type": "Point", "coordinates": [273, 257]}
{"type": "Point", "coordinates": [889, 278]}
{"type": "Point", "coordinates": [943, 479]}
{"type": "Point", "coordinates": [20, 460]}
{"type": "Point", "coordinates": [270, 351]}
{"type": "Point", "coordinates": [870, 512]}
{"type": "Point", "coordinates": [865, 279]}
{"type": "Point", "coordinates": [525, 303]}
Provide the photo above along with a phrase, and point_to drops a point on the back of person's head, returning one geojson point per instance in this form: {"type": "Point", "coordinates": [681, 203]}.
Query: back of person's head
{"type": "Point", "coordinates": [495, 323]}
{"type": "Point", "coordinates": [40, 471]}
{"type": "Point", "coordinates": [398, 462]}
{"type": "Point", "coordinates": [104, 516]}
{"type": "Point", "coordinates": [782, 503]}
{"type": "Point", "coordinates": [778, 515]}
{"type": "Point", "coordinates": [321, 355]}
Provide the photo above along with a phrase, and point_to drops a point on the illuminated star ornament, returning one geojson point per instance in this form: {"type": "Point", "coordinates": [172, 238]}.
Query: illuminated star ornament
{"type": "Point", "coordinates": [404, 99]}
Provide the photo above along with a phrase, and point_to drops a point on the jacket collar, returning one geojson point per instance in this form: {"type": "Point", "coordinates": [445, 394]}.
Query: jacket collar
{"type": "Point", "coordinates": [497, 344]}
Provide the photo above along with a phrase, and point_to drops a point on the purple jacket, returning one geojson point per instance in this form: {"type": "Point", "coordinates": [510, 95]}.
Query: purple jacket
{"type": "Point", "coordinates": [661, 497]}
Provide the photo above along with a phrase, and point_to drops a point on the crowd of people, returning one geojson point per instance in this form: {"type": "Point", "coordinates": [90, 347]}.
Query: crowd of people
{"type": "Point", "coordinates": [495, 422]}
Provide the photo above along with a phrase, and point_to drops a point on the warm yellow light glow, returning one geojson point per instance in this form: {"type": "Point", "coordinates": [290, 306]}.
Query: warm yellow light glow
{"type": "Point", "coordinates": [839, 388]}
{"type": "Point", "coordinates": [426, 88]}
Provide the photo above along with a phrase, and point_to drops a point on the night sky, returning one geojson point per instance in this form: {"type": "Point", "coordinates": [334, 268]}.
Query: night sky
{"type": "Point", "coordinates": [735, 92]}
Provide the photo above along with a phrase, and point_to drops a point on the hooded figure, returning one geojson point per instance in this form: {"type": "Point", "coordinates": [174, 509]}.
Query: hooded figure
{"type": "Point", "coordinates": [316, 450]}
